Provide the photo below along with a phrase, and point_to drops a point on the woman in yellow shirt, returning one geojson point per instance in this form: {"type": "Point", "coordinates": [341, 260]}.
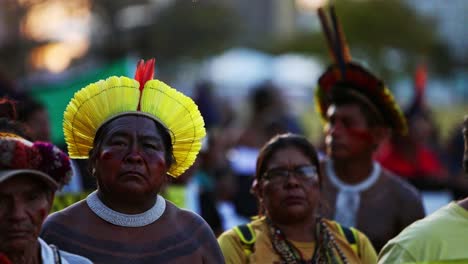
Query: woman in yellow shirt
{"type": "Point", "coordinates": [288, 229]}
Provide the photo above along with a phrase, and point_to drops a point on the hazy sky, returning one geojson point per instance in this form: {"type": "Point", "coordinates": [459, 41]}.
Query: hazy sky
{"type": "Point", "coordinates": [452, 19]}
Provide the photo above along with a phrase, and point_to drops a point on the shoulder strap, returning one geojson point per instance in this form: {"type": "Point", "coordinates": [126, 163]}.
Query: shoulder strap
{"type": "Point", "coordinates": [247, 237]}
{"type": "Point", "coordinates": [57, 257]}
{"type": "Point", "coordinates": [351, 236]}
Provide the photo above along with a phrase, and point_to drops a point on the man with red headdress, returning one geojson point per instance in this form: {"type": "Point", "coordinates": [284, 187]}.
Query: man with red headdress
{"type": "Point", "coordinates": [359, 111]}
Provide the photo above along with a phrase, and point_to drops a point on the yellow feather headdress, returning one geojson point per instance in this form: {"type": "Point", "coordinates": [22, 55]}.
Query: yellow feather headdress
{"type": "Point", "coordinates": [102, 101]}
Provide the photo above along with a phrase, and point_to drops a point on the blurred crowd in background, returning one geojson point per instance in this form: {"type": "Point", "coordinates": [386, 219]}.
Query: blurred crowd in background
{"type": "Point", "coordinates": [251, 67]}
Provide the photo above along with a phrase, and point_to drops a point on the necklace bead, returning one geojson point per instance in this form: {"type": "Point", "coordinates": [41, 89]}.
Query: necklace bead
{"type": "Point", "coordinates": [126, 220]}
{"type": "Point", "coordinates": [325, 246]}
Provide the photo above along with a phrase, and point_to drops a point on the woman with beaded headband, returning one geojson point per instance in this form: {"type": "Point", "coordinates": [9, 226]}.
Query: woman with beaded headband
{"type": "Point", "coordinates": [289, 230]}
{"type": "Point", "coordinates": [134, 131]}
{"type": "Point", "coordinates": [30, 173]}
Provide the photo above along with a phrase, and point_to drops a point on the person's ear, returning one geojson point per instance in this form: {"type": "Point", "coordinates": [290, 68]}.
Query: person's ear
{"type": "Point", "coordinates": [92, 161]}
{"type": "Point", "coordinates": [256, 189]}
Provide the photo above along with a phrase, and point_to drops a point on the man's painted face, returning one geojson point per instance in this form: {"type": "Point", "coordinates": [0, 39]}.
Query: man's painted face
{"type": "Point", "coordinates": [132, 157]}
{"type": "Point", "coordinates": [289, 190]}
{"type": "Point", "coordinates": [347, 133]}
{"type": "Point", "coordinates": [24, 204]}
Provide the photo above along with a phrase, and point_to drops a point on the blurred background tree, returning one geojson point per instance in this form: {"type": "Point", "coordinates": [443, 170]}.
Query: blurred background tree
{"type": "Point", "coordinates": [45, 42]}
{"type": "Point", "coordinates": [170, 31]}
{"type": "Point", "coordinates": [389, 36]}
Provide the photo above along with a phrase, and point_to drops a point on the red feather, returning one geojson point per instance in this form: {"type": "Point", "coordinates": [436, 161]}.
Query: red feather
{"type": "Point", "coordinates": [144, 73]}
{"type": "Point", "coordinates": [420, 80]}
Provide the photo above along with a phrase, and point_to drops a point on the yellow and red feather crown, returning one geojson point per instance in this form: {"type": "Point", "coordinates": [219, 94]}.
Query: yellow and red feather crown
{"type": "Point", "coordinates": [99, 102]}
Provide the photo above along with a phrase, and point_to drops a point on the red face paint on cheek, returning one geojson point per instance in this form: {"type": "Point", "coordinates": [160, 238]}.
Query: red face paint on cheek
{"type": "Point", "coordinates": [359, 134]}
{"type": "Point", "coordinates": [160, 162]}
{"type": "Point", "coordinates": [43, 213]}
{"type": "Point", "coordinates": [106, 155]}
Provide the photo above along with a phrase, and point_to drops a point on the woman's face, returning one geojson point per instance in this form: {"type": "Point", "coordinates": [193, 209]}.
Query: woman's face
{"type": "Point", "coordinates": [131, 159]}
{"type": "Point", "coordinates": [289, 190]}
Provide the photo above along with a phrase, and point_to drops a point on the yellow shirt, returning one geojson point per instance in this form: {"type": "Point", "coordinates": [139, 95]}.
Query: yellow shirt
{"type": "Point", "coordinates": [441, 237]}
{"type": "Point", "coordinates": [233, 252]}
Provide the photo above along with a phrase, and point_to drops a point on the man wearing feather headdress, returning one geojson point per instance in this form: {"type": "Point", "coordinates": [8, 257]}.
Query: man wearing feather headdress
{"type": "Point", "coordinates": [359, 112]}
{"type": "Point", "coordinates": [134, 131]}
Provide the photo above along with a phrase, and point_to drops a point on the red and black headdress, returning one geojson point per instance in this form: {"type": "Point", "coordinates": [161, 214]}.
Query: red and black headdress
{"type": "Point", "coordinates": [347, 77]}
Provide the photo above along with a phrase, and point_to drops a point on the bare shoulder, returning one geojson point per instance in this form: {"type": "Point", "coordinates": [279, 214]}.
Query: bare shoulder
{"type": "Point", "coordinates": [72, 216]}
{"type": "Point", "coordinates": [71, 213]}
{"type": "Point", "coordinates": [196, 231]}
{"type": "Point", "coordinates": [182, 216]}
{"type": "Point", "coordinates": [181, 220]}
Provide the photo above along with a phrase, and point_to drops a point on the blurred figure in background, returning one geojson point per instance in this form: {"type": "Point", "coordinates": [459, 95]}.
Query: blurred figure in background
{"type": "Point", "coordinates": [416, 157]}
{"type": "Point", "coordinates": [208, 187]}
{"type": "Point", "coordinates": [359, 112]}
{"type": "Point", "coordinates": [268, 117]}
{"type": "Point", "coordinates": [34, 115]}
{"type": "Point", "coordinates": [442, 236]}
{"type": "Point", "coordinates": [226, 190]}
{"type": "Point", "coordinates": [208, 104]}
{"type": "Point", "coordinates": [289, 228]}
{"type": "Point", "coordinates": [8, 87]}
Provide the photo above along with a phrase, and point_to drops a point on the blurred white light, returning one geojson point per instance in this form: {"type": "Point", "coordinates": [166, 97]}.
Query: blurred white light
{"type": "Point", "coordinates": [296, 70]}
{"type": "Point", "coordinates": [134, 16]}
{"type": "Point", "coordinates": [239, 69]}
{"type": "Point", "coordinates": [310, 5]}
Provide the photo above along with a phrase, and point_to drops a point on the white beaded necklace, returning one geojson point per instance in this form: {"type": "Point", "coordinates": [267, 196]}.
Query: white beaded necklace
{"type": "Point", "coordinates": [348, 197]}
{"type": "Point", "coordinates": [126, 220]}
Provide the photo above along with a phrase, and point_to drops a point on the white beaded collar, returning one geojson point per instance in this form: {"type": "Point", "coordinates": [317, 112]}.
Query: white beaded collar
{"type": "Point", "coordinates": [126, 220]}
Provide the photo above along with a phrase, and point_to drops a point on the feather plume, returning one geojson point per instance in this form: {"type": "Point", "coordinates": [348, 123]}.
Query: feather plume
{"type": "Point", "coordinates": [340, 36]}
{"type": "Point", "coordinates": [92, 106]}
{"type": "Point", "coordinates": [336, 41]}
{"type": "Point", "coordinates": [144, 73]}
{"type": "Point", "coordinates": [181, 116]}
{"type": "Point", "coordinates": [327, 32]}
{"type": "Point", "coordinates": [420, 79]}
{"type": "Point", "coordinates": [338, 47]}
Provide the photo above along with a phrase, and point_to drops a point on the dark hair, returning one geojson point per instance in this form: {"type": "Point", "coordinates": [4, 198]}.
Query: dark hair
{"type": "Point", "coordinates": [27, 107]}
{"type": "Point", "coordinates": [367, 108]}
{"type": "Point", "coordinates": [8, 121]}
{"type": "Point", "coordinates": [263, 96]}
{"type": "Point", "coordinates": [103, 130]}
{"type": "Point", "coordinates": [283, 141]}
